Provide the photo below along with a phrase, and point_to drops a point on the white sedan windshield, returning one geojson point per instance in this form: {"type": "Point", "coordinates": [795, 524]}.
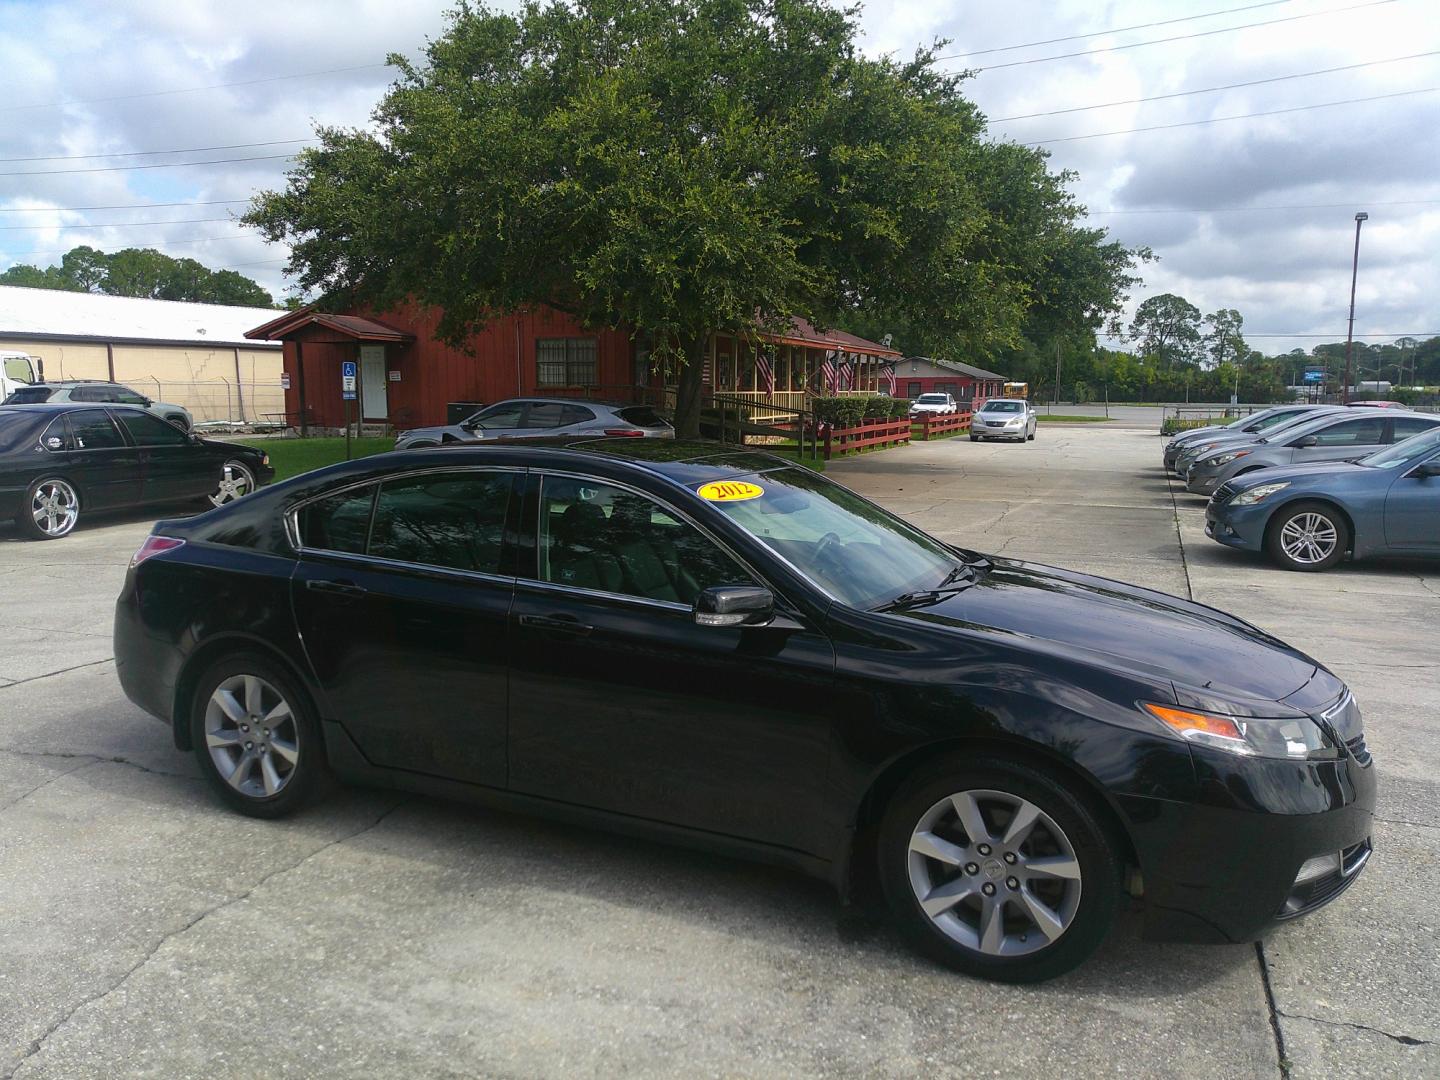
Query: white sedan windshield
{"type": "Point", "coordinates": [1003, 407]}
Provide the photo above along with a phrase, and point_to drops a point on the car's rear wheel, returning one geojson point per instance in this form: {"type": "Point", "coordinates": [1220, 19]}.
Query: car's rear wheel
{"type": "Point", "coordinates": [1307, 536]}
{"type": "Point", "coordinates": [256, 737]}
{"type": "Point", "coordinates": [998, 870]}
{"type": "Point", "coordinates": [236, 481]}
{"type": "Point", "coordinates": [50, 510]}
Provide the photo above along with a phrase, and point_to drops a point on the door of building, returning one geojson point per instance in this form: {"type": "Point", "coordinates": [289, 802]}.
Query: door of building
{"type": "Point", "coordinates": [373, 400]}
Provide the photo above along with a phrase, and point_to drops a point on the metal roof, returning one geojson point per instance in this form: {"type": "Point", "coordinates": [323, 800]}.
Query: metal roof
{"type": "Point", "coordinates": [964, 369]}
{"type": "Point", "coordinates": [53, 314]}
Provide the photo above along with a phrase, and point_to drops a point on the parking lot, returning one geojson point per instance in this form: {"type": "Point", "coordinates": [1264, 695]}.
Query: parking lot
{"type": "Point", "coordinates": [148, 931]}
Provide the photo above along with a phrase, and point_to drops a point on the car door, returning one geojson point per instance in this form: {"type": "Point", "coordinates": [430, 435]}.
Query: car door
{"type": "Point", "coordinates": [1343, 441]}
{"type": "Point", "coordinates": [97, 457]}
{"type": "Point", "coordinates": [620, 702]}
{"type": "Point", "coordinates": [503, 420]}
{"type": "Point", "coordinates": [401, 595]}
{"type": "Point", "coordinates": [1412, 508]}
{"type": "Point", "coordinates": [173, 466]}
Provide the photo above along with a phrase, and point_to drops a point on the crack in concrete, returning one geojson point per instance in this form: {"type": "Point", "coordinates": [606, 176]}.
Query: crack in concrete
{"type": "Point", "coordinates": [94, 759]}
{"type": "Point", "coordinates": [1281, 1060]}
{"type": "Point", "coordinates": [43, 784]}
{"type": "Point", "coordinates": [1185, 566]}
{"type": "Point", "coordinates": [1404, 1040]}
{"type": "Point", "coordinates": [1412, 824]}
{"type": "Point", "coordinates": [52, 674]}
{"type": "Point", "coordinates": [38, 1044]}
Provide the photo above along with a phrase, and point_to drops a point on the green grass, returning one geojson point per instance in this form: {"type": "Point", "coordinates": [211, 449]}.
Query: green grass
{"type": "Point", "coordinates": [792, 452]}
{"type": "Point", "coordinates": [1063, 418]}
{"type": "Point", "coordinates": [291, 457]}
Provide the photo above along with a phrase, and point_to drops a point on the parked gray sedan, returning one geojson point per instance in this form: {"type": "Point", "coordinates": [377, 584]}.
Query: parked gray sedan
{"type": "Point", "coordinates": [521, 418]}
{"type": "Point", "coordinates": [1256, 424]}
{"type": "Point", "coordinates": [1003, 418]}
{"type": "Point", "coordinates": [1214, 443]}
{"type": "Point", "coordinates": [1333, 437]}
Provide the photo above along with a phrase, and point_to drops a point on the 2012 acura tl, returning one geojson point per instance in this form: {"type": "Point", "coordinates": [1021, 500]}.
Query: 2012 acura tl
{"type": "Point", "coordinates": [720, 648]}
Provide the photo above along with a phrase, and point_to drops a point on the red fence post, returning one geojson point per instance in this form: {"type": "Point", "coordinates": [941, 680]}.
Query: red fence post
{"type": "Point", "coordinates": [828, 427]}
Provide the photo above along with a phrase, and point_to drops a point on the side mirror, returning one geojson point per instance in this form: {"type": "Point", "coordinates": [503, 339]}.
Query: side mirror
{"type": "Point", "coordinates": [734, 605]}
{"type": "Point", "coordinates": [1308, 440]}
{"type": "Point", "coordinates": [1426, 469]}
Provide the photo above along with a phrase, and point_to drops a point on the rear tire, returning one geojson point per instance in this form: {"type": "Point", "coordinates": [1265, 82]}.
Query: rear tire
{"type": "Point", "coordinates": [1307, 536]}
{"type": "Point", "coordinates": [256, 737]}
{"type": "Point", "coordinates": [998, 869]}
{"type": "Point", "coordinates": [49, 510]}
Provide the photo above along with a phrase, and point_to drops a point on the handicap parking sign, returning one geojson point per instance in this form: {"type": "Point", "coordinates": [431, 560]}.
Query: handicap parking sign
{"type": "Point", "coordinates": [347, 376]}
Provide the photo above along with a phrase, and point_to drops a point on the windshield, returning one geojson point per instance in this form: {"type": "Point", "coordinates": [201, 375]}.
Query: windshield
{"type": "Point", "coordinates": [30, 395]}
{"type": "Point", "coordinates": [857, 553]}
{"type": "Point", "coordinates": [932, 399]}
{"type": "Point", "coordinates": [18, 369]}
{"type": "Point", "coordinates": [1003, 406]}
{"type": "Point", "coordinates": [1417, 446]}
{"type": "Point", "coordinates": [1283, 417]}
{"type": "Point", "coordinates": [1295, 423]}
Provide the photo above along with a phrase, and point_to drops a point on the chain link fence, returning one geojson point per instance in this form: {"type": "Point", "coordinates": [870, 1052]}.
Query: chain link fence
{"type": "Point", "coordinates": [220, 402]}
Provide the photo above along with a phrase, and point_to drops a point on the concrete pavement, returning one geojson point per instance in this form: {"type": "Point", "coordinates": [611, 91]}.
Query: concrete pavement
{"type": "Point", "coordinates": [144, 930]}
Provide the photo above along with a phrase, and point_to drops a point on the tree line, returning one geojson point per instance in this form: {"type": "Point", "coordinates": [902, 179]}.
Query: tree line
{"type": "Point", "coordinates": [142, 272]}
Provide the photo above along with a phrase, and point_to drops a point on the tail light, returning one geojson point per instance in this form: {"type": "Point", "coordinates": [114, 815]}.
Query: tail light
{"type": "Point", "coordinates": [628, 432]}
{"type": "Point", "coordinates": [154, 545]}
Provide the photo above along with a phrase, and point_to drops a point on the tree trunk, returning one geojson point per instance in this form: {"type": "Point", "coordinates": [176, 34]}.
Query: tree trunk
{"type": "Point", "coordinates": [688, 389]}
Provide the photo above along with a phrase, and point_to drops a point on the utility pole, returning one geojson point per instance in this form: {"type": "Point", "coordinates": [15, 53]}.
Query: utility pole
{"type": "Point", "coordinates": [1360, 218]}
{"type": "Point", "coordinates": [1057, 371]}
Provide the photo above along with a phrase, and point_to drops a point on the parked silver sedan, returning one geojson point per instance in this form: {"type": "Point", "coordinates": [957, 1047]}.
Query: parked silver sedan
{"type": "Point", "coordinates": [1341, 436]}
{"type": "Point", "coordinates": [530, 418]}
{"type": "Point", "coordinates": [1004, 418]}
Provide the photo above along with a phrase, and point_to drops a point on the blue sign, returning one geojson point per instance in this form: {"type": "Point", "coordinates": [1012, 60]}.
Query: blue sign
{"type": "Point", "coordinates": [347, 379]}
{"type": "Point", "coordinates": [347, 369]}
{"type": "Point", "coordinates": [1314, 376]}
{"type": "Point", "coordinates": [347, 395]}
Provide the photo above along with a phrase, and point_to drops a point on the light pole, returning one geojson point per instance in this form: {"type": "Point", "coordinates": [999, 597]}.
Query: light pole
{"type": "Point", "coordinates": [1360, 218]}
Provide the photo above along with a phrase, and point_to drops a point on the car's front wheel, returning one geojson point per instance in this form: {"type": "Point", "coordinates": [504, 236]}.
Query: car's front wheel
{"type": "Point", "coordinates": [1307, 536]}
{"type": "Point", "coordinates": [236, 481]}
{"type": "Point", "coordinates": [50, 510]}
{"type": "Point", "coordinates": [998, 870]}
{"type": "Point", "coordinates": [256, 737]}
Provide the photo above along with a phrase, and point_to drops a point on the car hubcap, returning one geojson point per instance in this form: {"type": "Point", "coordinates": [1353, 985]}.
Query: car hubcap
{"type": "Point", "coordinates": [252, 736]}
{"type": "Point", "coordinates": [1309, 538]}
{"type": "Point", "coordinates": [55, 507]}
{"type": "Point", "coordinates": [235, 482]}
{"type": "Point", "coordinates": [994, 873]}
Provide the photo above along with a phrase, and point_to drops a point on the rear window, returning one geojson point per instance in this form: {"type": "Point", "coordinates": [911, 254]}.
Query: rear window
{"type": "Point", "coordinates": [931, 399]}
{"type": "Point", "coordinates": [29, 395]}
{"type": "Point", "coordinates": [641, 416]}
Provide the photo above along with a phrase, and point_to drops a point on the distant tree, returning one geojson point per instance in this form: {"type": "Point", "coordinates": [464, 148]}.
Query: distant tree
{"type": "Point", "coordinates": [1224, 342]}
{"type": "Point", "coordinates": [142, 272]}
{"type": "Point", "coordinates": [1167, 328]}
{"type": "Point", "coordinates": [84, 269]}
{"type": "Point", "coordinates": [32, 277]}
{"type": "Point", "coordinates": [230, 287]}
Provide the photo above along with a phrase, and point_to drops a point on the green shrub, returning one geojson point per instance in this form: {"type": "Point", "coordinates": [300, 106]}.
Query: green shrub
{"type": "Point", "coordinates": [877, 408]}
{"type": "Point", "coordinates": [899, 408]}
{"type": "Point", "coordinates": [840, 411]}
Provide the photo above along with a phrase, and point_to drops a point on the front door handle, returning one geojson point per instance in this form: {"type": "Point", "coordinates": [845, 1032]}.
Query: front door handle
{"type": "Point", "coordinates": [556, 624]}
{"type": "Point", "coordinates": [335, 588]}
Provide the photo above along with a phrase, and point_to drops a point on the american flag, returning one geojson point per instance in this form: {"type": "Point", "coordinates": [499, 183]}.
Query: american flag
{"type": "Point", "coordinates": [766, 370]}
{"type": "Point", "coordinates": [847, 373]}
{"type": "Point", "coordinates": [827, 373]}
{"type": "Point", "coordinates": [888, 373]}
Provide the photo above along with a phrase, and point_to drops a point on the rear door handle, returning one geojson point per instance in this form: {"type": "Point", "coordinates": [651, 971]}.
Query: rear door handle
{"type": "Point", "coordinates": [558, 624]}
{"type": "Point", "coordinates": [336, 588]}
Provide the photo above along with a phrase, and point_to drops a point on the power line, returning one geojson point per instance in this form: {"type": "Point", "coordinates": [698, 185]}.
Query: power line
{"type": "Point", "coordinates": [1338, 337]}
{"type": "Point", "coordinates": [1115, 30]}
{"type": "Point", "coordinates": [115, 206]}
{"type": "Point", "coordinates": [1178, 37]}
{"type": "Point", "coordinates": [163, 243]}
{"type": "Point", "coordinates": [116, 224]}
{"type": "Point", "coordinates": [1290, 206]}
{"type": "Point", "coordinates": [163, 165]}
{"type": "Point", "coordinates": [147, 153]}
{"type": "Point", "coordinates": [1239, 116]}
{"type": "Point", "coordinates": [1215, 89]}
{"type": "Point", "coordinates": [190, 89]}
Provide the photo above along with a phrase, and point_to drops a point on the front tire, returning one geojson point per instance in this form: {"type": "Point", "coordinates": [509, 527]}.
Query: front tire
{"type": "Point", "coordinates": [998, 870]}
{"type": "Point", "coordinates": [50, 509]}
{"type": "Point", "coordinates": [236, 481]}
{"type": "Point", "coordinates": [256, 737]}
{"type": "Point", "coordinates": [1307, 536]}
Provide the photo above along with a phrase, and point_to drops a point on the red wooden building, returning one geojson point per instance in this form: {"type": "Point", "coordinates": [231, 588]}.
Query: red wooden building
{"type": "Point", "coordinates": [407, 377]}
{"type": "Point", "coordinates": [916, 375]}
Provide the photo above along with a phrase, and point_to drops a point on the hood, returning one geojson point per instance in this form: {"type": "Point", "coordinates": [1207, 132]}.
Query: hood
{"type": "Point", "coordinates": [1299, 472]}
{"type": "Point", "coordinates": [1123, 625]}
{"type": "Point", "coordinates": [1191, 435]}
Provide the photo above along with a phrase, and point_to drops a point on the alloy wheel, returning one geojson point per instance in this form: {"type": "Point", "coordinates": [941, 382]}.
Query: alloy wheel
{"type": "Point", "coordinates": [235, 482]}
{"type": "Point", "coordinates": [994, 873]}
{"type": "Point", "coordinates": [252, 735]}
{"type": "Point", "coordinates": [1309, 538]}
{"type": "Point", "coordinates": [54, 507]}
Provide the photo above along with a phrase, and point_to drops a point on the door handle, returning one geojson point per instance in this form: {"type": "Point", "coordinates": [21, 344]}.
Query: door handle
{"type": "Point", "coordinates": [556, 624]}
{"type": "Point", "coordinates": [336, 588]}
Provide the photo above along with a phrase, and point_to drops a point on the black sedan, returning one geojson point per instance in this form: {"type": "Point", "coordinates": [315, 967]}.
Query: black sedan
{"type": "Point", "coordinates": [58, 462]}
{"type": "Point", "coordinates": [721, 648]}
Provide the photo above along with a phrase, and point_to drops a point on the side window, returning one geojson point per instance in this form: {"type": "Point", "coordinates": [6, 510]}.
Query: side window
{"type": "Point", "coordinates": [126, 396]}
{"type": "Point", "coordinates": [1352, 433]}
{"type": "Point", "coordinates": [576, 414]}
{"type": "Point", "coordinates": [546, 414]}
{"type": "Point", "coordinates": [1406, 426]}
{"type": "Point", "coordinates": [147, 430]}
{"type": "Point", "coordinates": [595, 536]}
{"type": "Point", "coordinates": [86, 393]}
{"type": "Point", "coordinates": [455, 520]}
{"type": "Point", "coordinates": [57, 436]}
{"type": "Point", "coordinates": [339, 522]}
{"type": "Point", "coordinates": [92, 429]}
{"type": "Point", "coordinates": [501, 416]}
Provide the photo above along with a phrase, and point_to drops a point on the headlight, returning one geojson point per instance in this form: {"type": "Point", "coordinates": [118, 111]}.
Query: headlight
{"type": "Point", "coordinates": [1225, 459]}
{"type": "Point", "coordinates": [1255, 494]}
{"type": "Point", "coordinates": [1290, 737]}
{"type": "Point", "coordinates": [1015, 423]}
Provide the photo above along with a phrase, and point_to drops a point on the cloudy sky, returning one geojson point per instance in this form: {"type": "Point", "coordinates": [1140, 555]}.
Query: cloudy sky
{"type": "Point", "coordinates": [1254, 213]}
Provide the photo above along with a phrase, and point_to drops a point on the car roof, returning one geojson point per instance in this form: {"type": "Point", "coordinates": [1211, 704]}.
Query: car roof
{"type": "Point", "coordinates": [555, 401]}
{"type": "Point", "coordinates": [67, 406]}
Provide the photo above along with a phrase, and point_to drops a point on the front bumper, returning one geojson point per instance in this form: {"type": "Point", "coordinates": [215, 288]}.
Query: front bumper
{"type": "Point", "coordinates": [1238, 526]}
{"type": "Point", "coordinates": [1224, 868]}
{"type": "Point", "coordinates": [1203, 480]}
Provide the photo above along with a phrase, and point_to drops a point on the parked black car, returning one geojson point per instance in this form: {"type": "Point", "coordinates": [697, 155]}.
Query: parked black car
{"type": "Point", "coordinates": [60, 461]}
{"type": "Point", "coordinates": [717, 646]}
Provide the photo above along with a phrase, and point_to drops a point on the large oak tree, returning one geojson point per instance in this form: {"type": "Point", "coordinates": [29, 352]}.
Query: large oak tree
{"type": "Point", "coordinates": [683, 166]}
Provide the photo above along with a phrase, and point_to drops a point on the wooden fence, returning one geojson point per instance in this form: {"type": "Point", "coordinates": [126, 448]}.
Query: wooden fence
{"type": "Point", "coordinates": [932, 426]}
{"type": "Point", "coordinates": [847, 440]}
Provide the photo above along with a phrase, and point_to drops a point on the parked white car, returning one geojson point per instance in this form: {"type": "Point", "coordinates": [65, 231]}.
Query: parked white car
{"type": "Point", "coordinates": [934, 404]}
{"type": "Point", "coordinates": [1004, 418]}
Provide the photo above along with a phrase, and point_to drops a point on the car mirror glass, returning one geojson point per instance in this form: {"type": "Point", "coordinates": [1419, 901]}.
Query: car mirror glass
{"type": "Point", "coordinates": [1426, 469]}
{"type": "Point", "coordinates": [1307, 441]}
{"type": "Point", "coordinates": [734, 605]}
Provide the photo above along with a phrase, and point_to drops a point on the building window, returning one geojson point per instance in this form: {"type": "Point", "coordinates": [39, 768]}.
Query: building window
{"type": "Point", "coordinates": [565, 362]}
{"type": "Point", "coordinates": [913, 389]}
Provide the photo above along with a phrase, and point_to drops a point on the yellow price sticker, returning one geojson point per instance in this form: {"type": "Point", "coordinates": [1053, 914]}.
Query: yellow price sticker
{"type": "Point", "coordinates": [730, 491]}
